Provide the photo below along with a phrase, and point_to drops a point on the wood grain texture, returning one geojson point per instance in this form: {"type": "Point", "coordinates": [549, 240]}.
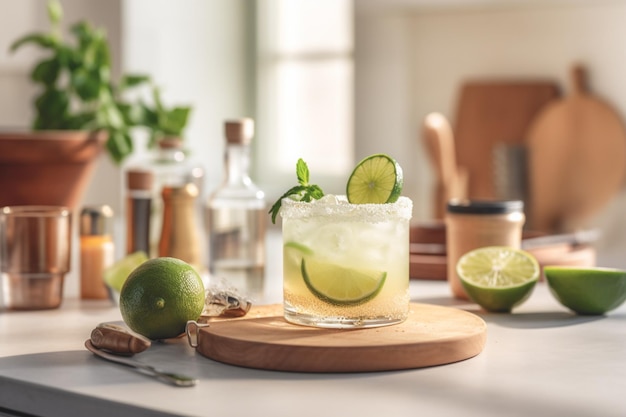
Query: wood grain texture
{"type": "Point", "coordinates": [491, 113]}
{"type": "Point", "coordinates": [577, 157]}
{"type": "Point", "coordinates": [432, 335]}
{"type": "Point", "coordinates": [450, 180]}
{"type": "Point", "coordinates": [428, 258]}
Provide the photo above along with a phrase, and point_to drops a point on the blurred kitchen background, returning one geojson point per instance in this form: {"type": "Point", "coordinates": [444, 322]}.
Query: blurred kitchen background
{"type": "Point", "coordinates": [332, 81]}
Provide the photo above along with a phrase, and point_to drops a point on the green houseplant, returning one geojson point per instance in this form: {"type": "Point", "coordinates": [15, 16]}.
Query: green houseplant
{"type": "Point", "coordinates": [77, 89]}
{"type": "Point", "coordinates": [79, 111]}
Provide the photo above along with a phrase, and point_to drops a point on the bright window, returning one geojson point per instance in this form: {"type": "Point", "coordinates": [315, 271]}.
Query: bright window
{"type": "Point", "coordinates": [305, 92]}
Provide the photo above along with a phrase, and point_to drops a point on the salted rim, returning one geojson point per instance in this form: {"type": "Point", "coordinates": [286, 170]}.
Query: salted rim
{"type": "Point", "coordinates": [374, 213]}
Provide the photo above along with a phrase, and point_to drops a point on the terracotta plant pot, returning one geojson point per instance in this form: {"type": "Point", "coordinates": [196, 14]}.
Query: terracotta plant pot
{"type": "Point", "coordinates": [47, 167]}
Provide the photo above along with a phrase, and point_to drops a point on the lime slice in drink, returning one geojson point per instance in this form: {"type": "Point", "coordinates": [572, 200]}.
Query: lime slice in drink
{"type": "Point", "coordinates": [293, 252]}
{"type": "Point", "coordinates": [295, 248]}
{"type": "Point", "coordinates": [377, 179]}
{"type": "Point", "coordinates": [590, 290]}
{"type": "Point", "coordinates": [498, 278]}
{"type": "Point", "coordinates": [341, 286]}
{"type": "Point", "coordinates": [115, 275]}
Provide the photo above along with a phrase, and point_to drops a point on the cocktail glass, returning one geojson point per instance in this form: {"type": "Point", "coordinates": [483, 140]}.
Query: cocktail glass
{"type": "Point", "coordinates": [345, 265]}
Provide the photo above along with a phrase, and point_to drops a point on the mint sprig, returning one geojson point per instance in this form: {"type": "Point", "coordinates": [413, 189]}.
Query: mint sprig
{"type": "Point", "coordinates": [303, 192]}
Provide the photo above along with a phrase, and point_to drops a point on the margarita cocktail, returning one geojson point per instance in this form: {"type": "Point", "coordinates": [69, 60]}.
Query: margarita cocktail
{"type": "Point", "coordinates": [345, 265]}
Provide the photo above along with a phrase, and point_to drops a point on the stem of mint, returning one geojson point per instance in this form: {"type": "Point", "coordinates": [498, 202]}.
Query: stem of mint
{"type": "Point", "coordinates": [302, 192]}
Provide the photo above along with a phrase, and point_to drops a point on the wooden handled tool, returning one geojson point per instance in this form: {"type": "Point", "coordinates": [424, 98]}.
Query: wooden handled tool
{"type": "Point", "coordinates": [577, 159]}
{"type": "Point", "coordinates": [450, 180]}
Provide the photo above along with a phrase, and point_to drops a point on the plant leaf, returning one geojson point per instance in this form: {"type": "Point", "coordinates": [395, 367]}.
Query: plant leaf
{"type": "Point", "coordinates": [133, 80]}
{"type": "Point", "coordinates": [55, 11]}
{"type": "Point", "coordinates": [80, 121]}
{"type": "Point", "coordinates": [175, 120]}
{"type": "Point", "coordinates": [46, 72]}
{"type": "Point", "coordinates": [86, 83]}
{"type": "Point", "coordinates": [41, 39]}
{"type": "Point", "coordinates": [315, 191]}
{"type": "Point", "coordinates": [293, 191]}
{"type": "Point", "coordinates": [303, 192]}
{"type": "Point", "coordinates": [119, 145]}
{"type": "Point", "coordinates": [54, 104]}
{"type": "Point", "coordinates": [302, 172]}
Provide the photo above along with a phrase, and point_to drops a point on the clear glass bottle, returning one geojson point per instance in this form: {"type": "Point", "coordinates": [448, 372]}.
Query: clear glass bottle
{"type": "Point", "coordinates": [236, 215]}
{"type": "Point", "coordinates": [172, 168]}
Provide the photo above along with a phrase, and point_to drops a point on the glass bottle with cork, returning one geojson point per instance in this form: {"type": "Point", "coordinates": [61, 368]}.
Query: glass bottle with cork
{"type": "Point", "coordinates": [235, 216]}
{"type": "Point", "coordinates": [172, 168]}
{"type": "Point", "coordinates": [138, 210]}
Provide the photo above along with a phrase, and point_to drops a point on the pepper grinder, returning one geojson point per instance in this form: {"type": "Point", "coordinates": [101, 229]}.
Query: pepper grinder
{"type": "Point", "coordinates": [180, 232]}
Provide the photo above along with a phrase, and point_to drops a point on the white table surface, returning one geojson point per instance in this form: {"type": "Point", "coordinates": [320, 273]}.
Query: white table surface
{"type": "Point", "coordinates": [541, 360]}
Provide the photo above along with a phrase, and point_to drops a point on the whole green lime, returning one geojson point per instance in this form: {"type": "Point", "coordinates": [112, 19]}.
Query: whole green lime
{"type": "Point", "coordinates": [160, 296]}
{"type": "Point", "coordinates": [590, 290]}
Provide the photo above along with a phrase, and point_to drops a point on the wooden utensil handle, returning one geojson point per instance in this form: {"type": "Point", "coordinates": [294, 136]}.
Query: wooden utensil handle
{"type": "Point", "coordinates": [580, 80]}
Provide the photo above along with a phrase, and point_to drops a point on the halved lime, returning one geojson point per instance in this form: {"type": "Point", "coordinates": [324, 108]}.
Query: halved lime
{"type": "Point", "coordinates": [498, 278]}
{"type": "Point", "coordinates": [377, 179]}
{"type": "Point", "coordinates": [589, 290]}
{"type": "Point", "coordinates": [339, 285]}
{"type": "Point", "coordinates": [115, 275]}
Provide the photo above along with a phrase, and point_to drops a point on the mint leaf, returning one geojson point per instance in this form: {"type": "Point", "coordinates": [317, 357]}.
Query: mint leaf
{"type": "Point", "coordinates": [303, 192]}
{"type": "Point", "coordinates": [302, 172]}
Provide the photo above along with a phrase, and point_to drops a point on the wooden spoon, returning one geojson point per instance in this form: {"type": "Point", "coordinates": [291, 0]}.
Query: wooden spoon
{"type": "Point", "coordinates": [450, 180]}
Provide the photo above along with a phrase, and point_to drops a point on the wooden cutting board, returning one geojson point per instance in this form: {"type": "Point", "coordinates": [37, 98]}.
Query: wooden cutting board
{"type": "Point", "coordinates": [428, 258]}
{"type": "Point", "coordinates": [490, 113]}
{"type": "Point", "coordinates": [577, 159]}
{"type": "Point", "coordinates": [432, 335]}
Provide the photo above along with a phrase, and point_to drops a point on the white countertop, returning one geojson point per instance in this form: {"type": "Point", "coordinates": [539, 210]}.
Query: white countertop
{"type": "Point", "coordinates": [540, 360]}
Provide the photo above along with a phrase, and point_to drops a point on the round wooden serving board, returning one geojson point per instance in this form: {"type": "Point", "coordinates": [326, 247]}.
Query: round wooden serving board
{"type": "Point", "coordinates": [432, 335]}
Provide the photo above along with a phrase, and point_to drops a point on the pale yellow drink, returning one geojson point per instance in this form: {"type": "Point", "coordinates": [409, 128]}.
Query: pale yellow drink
{"type": "Point", "coordinates": [346, 265]}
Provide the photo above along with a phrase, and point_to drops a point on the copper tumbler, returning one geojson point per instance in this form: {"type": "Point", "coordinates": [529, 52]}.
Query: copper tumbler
{"type": "Point", "coordinates": [35, 248]}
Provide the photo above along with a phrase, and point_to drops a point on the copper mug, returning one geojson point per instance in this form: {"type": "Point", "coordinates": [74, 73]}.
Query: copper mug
{"type": "Point", "coordinates": [35, 251]}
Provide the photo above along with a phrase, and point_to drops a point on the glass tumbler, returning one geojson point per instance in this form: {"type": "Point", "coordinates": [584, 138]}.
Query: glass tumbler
{"type": "Point", "coordinates": [35, 248]}
{"type": "Point", "coordinates": [345, 265]}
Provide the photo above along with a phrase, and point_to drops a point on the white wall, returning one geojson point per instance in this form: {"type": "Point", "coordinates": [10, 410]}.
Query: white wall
{"type": "Point", "coordinates": [26, 16]}
{"type": "Point", "coordinates": [197, 51]}
{"type": "Point", "coordinates": [411, 61]}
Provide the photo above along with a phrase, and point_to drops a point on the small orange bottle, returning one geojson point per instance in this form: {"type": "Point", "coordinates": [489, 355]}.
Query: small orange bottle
{"type": "Point", "coordinates": [97, 251]}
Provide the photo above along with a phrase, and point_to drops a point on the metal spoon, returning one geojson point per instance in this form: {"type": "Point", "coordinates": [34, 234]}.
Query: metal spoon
{"type": "Point", "coordinates": [167, 377]}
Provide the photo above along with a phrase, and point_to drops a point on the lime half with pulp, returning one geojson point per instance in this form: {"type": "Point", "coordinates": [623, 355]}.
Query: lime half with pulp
{"type": "Point", "coordinates": [339, 285]}
{"type": "Point", "coordinates": [377, 179]}
{"type": "Point", "coordinates": [498, 278]}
